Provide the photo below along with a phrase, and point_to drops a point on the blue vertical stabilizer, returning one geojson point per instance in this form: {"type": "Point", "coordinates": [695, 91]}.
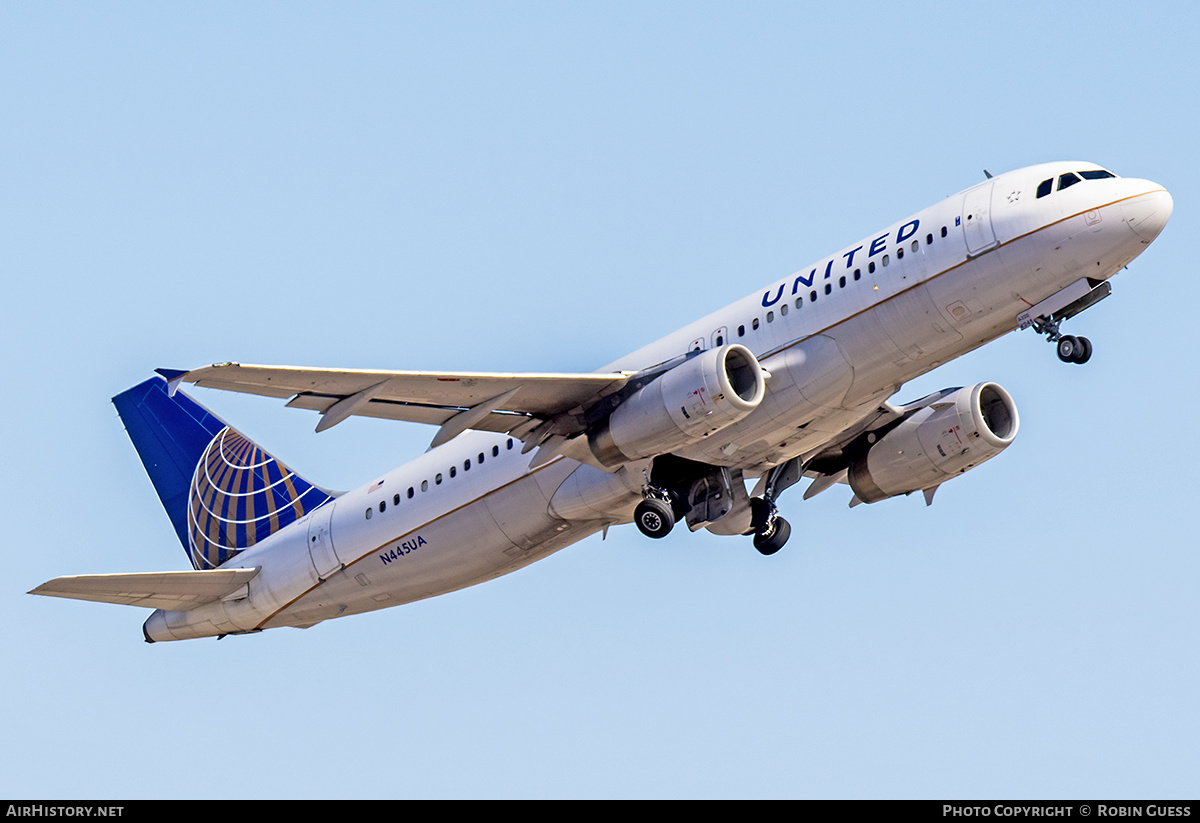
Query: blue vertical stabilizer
{"type": "Point", "coordinates": [222, 491]}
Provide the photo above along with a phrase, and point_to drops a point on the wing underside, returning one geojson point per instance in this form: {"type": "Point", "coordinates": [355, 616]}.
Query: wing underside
{"type": "Point", "coordinates": [500, 402]}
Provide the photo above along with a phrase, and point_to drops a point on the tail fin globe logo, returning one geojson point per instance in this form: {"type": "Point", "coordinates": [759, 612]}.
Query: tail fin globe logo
{"type": "Point", "coordinates": [239, 496]}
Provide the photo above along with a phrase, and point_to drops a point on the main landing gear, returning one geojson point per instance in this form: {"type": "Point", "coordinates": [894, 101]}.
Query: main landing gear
{"type": "Point", "coordinates": [770, 530]}
{"type": "Point", "coordinates": [656, 515]}
{"type": "Point", "coordinates": [704, 495]}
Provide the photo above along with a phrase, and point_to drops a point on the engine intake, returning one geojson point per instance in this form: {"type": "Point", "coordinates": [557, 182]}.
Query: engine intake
{"type": "Point", "coordinates": [941, 440]}
{"type": "Point", "coordinates": [700, 396]}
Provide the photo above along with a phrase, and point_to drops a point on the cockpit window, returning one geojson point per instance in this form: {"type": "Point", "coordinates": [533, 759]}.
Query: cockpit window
{"type": "Point", "coordinates": [1070, 179]}
{"type": "Point", "coordinates": [1067, 180]}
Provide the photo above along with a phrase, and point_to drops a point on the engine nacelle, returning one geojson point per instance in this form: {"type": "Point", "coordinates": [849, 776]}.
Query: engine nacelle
{"type": "Point", "coordinates": [702, 395]}
{"type": "Point", "coordinates": [944, 439]}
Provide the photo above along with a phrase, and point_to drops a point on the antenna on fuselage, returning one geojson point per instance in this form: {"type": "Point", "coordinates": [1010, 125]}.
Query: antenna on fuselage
{"type": "Point", "coordinates": [987, 174]}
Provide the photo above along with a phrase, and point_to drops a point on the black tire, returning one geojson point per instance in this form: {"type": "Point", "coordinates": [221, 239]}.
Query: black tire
{"type": "Point", "coordinates": [1085, 351]}
{"type": "Point", "coordinates": [772, 541]}
{"type": "Point", "coordinates": [1068, 349]}
{"type": "Point", "coordinates": [654, 518]}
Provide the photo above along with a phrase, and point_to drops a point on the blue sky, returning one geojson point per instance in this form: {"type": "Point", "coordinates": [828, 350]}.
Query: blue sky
{"type": "Point", "coordinates": [546, 186]}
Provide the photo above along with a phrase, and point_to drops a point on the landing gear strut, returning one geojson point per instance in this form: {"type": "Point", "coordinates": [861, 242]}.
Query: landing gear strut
{"type": "Point", "coordinates": [770, 530]}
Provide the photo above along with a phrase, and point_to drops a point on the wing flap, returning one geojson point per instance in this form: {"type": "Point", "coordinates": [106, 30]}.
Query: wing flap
{"type": "Point", "coordinates": [174, 591]}
{"type": "Point", "coordinates": [409, 412]}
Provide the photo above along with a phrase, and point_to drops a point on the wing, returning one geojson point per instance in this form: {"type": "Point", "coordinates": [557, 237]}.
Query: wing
{"type": "Point", "coordinates": [517, 403]}
{"type": "Point", "coordinates": [176, 591]}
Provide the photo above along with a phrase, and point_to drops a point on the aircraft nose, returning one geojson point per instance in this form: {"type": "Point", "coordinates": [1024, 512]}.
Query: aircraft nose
{"type": "Point", "coordinates": [1148, 213]}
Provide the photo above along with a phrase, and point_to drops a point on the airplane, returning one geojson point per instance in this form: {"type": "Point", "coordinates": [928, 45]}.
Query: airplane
{"type": "Point", "coordinates": [791, 382]}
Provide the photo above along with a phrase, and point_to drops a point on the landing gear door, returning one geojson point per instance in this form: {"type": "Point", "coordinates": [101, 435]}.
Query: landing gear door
{"type": "Point", "coordinates": [320, 542]}
{"type": "Point", "coordinates": [710, 498]}
{"type": "Point", "coordinates": [977, 219]}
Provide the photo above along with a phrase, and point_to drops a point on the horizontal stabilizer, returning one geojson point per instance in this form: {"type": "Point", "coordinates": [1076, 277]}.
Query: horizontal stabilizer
{"type": "Point", "coordinates": [173, 591]}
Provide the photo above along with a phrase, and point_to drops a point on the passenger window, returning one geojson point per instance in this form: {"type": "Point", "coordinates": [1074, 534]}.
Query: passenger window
{"type": "Point", "coordinates": [812, 295]}
{"type": "Point", "coordinates": [411, 492]}
{"type": "Point", "coordinates": [783, 309]}
{"type": "Point", "coordinates": [424, 485]}
{"type": "Point", "coordinates": [453, 473]}
{"type": "Point", "coordinates": [1066, 181]}
{"type": "Point", "coordinates": [495, 451]}
{"type": "Point", "coordinates": [929, 240]}
{"type": "Point", "coordinates": [858, 274]}
{"type": "Point", "coordinates": [437, 479]}
{"type": "Point", "coordinates": [754, 324]}
{"type": "Point", "coordinates": [1045, 187]}
{"type": "Point", "coordinates": [828, 288]}
{"type": "Point", "coordinates": [943, 231]}
{"type": "Point", "coordinates": [799, 302]}
{"type": "Point", "coordinates": [369, 513]}
{"type": "Point", "coordinates": [382, 506]}
{"type": "Point", "coordinates": [396, 499]}
{"type": "Point", "coordinates": [770, 317]}
{"type": "Point", "coordinates": [741, 331]}
{"type": "Point", "coordinates": [842, 282]}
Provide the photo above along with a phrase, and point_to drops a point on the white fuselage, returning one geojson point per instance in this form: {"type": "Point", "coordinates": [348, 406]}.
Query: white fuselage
{"type": "Point", "coordinates": [838, 338]}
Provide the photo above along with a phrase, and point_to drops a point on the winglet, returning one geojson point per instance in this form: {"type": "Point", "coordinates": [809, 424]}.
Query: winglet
{"type": "Point", "coordinates": [173, 378]}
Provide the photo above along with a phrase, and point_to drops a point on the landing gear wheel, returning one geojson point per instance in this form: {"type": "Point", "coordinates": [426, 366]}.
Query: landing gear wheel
{"type": "Point", "coordinates": [654, 517]}
{"type": "Point", "coordinates": [769, 529]}
{"type": "Point", "coordinates": [1068, 349]}
{"type": "Point", "coordinates": [1073, 349]}
{"type": "Point", "coordinates": [773, 537]}
{"type": "Point", "coordinates": [1085, 351]}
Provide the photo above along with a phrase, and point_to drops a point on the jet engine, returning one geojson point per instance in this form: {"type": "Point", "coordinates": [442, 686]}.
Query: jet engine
{"type": "Point", "coordinates": [945, 438]}
{"type": "Point", "coordinates": [702, 395]}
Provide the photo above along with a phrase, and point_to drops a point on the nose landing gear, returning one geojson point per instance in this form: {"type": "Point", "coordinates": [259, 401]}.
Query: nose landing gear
{"type": "Point", "coordinates": [1073, 349]}
{"type": "Point", "coordinates": [1070, 349]}
{"type": "Point", "coordinates": [1046, 317]}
